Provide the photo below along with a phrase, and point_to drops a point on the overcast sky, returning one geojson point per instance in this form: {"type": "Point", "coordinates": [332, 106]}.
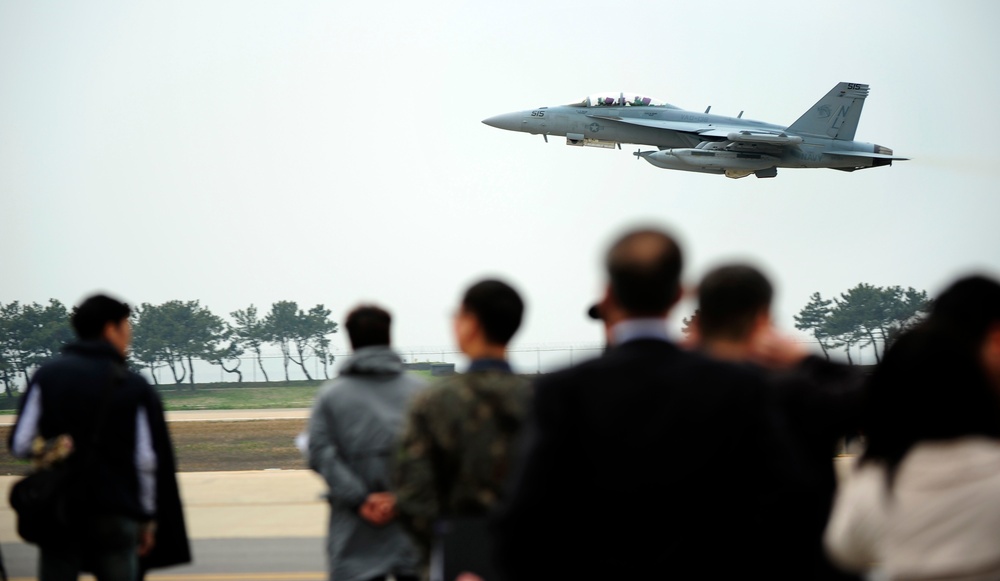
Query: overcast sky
{"type": "Point", "coordinates": [332, 152]}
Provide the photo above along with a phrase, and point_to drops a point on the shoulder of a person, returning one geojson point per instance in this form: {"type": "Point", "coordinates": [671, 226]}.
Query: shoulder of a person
{"type": "Point", "coordinates": [45, 371]}
{"type": "Point", "coordinates": [136, 379]}
{"type": "Point", "coordinates": [454, 389]}
{"type": "Point", "coordinates": [506, 386]}
{"type": "Point", "coordinates": [568, 376]}
{"type": "Point", "coordinates": [337, 387]}
{"type": "Point", "coordinates": [952, 457]}
{"type": "Point", "coordinates": [739, 372]}
{"type": "Point", "coordinates": [521, 382]}
{"type": "Point", "coordinates": [414, 382]}
{"type": "Point", "coordinates": [816, 379]}
{"type": "Point", "coordinates": [861, 494]}
{"type": "Point", "coordinates": [569, 382]}
{"type": "Point", "coordinates": [863, 480]}
{"type": "Point", "coordinates": [141, 389]}
{"type": "Point", "coordinates": [609, 360]}
{"type": "Point", "coordinates": [733, 382]}
{"type": "Point", "coordinates": [819, 368]}
{"type": "Point", "coordinates": [444, 387]}
{"type": "Point", "coordinates": [66, 362]}
{"type": "Point", "coordinates": [511, 380]}
{"type": "Point", "coordinates": [696, 363]}
{"type": "Point", "coordinates": [70, 367]}
{"type": "Point", "coordinates": [856, 527]}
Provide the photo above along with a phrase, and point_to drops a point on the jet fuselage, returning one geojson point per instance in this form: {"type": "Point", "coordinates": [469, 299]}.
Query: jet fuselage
{"type": "Point", "coordinates": [702, 142]}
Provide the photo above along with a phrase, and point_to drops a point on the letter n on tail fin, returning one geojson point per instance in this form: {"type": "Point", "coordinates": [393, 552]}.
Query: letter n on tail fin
{"type": "Point", "coordinates": [836, 115]}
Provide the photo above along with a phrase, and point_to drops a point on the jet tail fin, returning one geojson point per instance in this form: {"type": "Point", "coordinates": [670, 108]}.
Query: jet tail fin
{"type": "Point", "coordinates": [836, 115]}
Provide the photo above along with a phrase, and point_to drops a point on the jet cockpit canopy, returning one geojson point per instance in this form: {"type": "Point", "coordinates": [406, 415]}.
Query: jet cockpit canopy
{"type": "Point", "coordinates": [621, 100]}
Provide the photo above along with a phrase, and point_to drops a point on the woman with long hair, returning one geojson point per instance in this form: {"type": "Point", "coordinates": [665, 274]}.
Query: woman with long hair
{"type": "Point", "coordinates": [924, 500]}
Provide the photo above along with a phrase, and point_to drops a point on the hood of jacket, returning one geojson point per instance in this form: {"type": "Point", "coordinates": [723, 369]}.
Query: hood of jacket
{"type": "Point", "coordinates": [375, 360]}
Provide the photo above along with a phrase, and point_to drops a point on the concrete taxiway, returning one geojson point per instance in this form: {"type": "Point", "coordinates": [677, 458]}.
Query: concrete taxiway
{"type": "Point", "coordinates": [214, 415]}
{"type": "Point", "coordinates": [259, 526]}
{"type": "Point", "coordinates": [265, 525]}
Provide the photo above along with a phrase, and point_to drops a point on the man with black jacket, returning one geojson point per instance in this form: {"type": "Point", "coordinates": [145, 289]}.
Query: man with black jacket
{"type": "Point", "coordinates": [649, 462]}
{"type": "Point", "coordinates": [818, 402]}
{"type": "Point", "coordinates": [126, 511]}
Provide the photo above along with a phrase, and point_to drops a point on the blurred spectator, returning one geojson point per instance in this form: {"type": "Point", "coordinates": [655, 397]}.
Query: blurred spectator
{"type": "Point", "coordinates": [817, 402]}
{"type": "Point", "coordinates": [650, 462]}
{"type": "Point", "coordinates": [353, 428]}
{"type": "Point", "coordinates": [924, 501]}
{"type": "Point", "coordinates": [461, 436]}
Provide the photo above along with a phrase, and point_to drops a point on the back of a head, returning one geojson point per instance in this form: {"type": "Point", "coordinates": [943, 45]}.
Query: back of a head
{"type": "Point", "coordinates": [368, 326]}
{"type": "Point", "coordinates": [931, 384]}
{"type": "Point", "coordinates": [644, 269]}
{"type": "Point", "coordinates": [968, 308]}
{"type": "Point", "coordinates": [730, 298]}
{"type": "Point", "coordinates": [90, 317]}
{"type": "Point", "coordinates": [497, 307]}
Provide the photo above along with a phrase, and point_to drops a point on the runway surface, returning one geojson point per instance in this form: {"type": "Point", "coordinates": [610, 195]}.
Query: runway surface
{"type": "Point", "coordinates": [287, 559]}
{"type": "Point", "coordinates": [214, 415]}
{"type": "Point", "coordinates": [257, 526]}
{"type": "Point", "coordinates": [265, 525]}
{"type": "Point", "coordinates": [237, 415]}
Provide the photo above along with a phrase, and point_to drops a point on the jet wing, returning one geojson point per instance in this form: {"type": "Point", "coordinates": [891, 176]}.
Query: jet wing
{"type": "Point", "coordinates": [709, 131]}
{"type": "Point", "coordinates": [683, 126]}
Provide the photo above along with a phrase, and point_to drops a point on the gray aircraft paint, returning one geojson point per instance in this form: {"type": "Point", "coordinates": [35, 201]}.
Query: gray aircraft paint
{"type": "Point", "coordinates": [823, 137]}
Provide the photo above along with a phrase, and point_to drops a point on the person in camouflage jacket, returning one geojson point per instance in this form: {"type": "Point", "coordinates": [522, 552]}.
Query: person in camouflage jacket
{"type": "Point", "coordinates": [461, 434]}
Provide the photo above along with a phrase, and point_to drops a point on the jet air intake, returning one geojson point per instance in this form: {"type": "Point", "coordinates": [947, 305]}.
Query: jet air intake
{"type": "Point", "coordinates": [579, 140]}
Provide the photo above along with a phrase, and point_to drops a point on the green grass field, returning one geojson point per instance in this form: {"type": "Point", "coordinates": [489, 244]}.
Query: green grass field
{"type": "Point", "coordinates": [242, 398]}
{"type": "Point", "coordinates": [227, 396]}
{"type": "Point", "coordinates": [201, 446]}
{"type": "Point", "coordinates": [220, 445]}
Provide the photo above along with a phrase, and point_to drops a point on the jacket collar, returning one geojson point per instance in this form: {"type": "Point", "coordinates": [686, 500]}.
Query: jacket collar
{"type": "Point", "coordinates": [639, 328]}
{"type": "Point", "coordinates": [480, 365]}
{"type": "Point", "coordinates": [374, 360]}
{"type": "Point", "coordinates": [94, 348]}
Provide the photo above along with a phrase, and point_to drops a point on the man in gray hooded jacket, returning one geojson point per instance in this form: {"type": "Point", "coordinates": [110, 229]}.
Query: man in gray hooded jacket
{"type": "Point", "coordinates": [353, 430]}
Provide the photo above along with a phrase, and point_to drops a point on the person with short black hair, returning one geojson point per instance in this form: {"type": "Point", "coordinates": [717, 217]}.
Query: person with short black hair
{"type": "Point", "coordinates": [353, 428]}
{"type": "Point", "coordinates": [126, 510]}
{"type": "Point", "coordinates": [91, 317]}
{"type": "Point", "coordinates": [368, 326]}
{"type": "Point", "coordinates": [733, 302]}
{"type": "Point", "coordinates": [497, 308]}
{"type": "Point", "coordinates": [924, 499]}
{"type": "Point", "coordinates": [461, 437]}
{"type": "Point", "coordinates": [648, 462]}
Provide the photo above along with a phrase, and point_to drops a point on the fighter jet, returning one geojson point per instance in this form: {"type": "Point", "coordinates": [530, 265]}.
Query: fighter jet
{"type": "Point", "coordinates": [823, 137]}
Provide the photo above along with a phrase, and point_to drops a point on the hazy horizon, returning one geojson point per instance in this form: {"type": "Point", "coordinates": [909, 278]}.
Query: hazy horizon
{"type": "Point", "coordinates": [250, 152]}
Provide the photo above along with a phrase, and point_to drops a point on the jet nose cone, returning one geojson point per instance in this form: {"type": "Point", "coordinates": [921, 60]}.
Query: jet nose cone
{"type": "Point", "coordinates": [508, 121]}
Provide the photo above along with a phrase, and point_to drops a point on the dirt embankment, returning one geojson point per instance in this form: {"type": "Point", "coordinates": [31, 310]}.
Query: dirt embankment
{"type": "Point", "coordinates": [211, 446]}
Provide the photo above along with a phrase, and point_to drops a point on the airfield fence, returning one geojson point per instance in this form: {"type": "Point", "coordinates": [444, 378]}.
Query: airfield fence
{"type": "Point", "coordinates": [526, 359]}
{"type": "Point", "coordinates": [530, 359]}
{"type": "Point", "coordinates": [541, 358]}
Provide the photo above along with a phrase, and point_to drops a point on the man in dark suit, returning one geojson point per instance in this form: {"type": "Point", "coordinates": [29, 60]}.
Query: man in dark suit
{"type": "Point", "coordinates": [650, 462]}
